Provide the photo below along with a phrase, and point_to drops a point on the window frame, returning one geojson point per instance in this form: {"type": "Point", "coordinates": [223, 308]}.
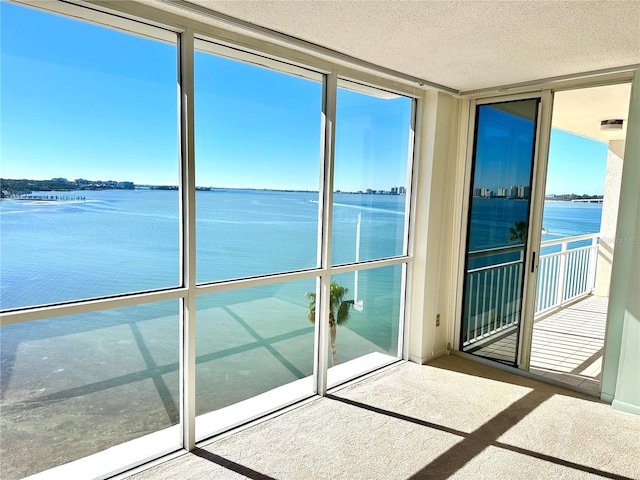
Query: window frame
{"type": "Point", "coordinates": [267, 52]}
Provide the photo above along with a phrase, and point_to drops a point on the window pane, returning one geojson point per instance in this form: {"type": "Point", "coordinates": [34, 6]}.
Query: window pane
{"type": "Point", "coordinates": [76, 385]}
{"type": "Point", "coordinates": [371, 157]}
{"type": "Point", "coordinates": [249, 342]}
{"type": "Point", "coordinates": [257, 168]}
{"type": "Point", "coordinates": [368, 337]}
{"type": "Point", "coordinates": [89, 122]}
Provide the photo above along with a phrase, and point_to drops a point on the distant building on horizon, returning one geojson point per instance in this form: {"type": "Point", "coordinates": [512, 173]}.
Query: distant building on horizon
{"type": "Point", "coordinates": [523, 191]}
{"type": "Point", "coordinates": [487, 193]}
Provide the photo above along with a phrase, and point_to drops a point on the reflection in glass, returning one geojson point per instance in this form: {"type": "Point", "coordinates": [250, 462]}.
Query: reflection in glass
{"type": "Point", "coordinates": [498, 228]}
{"type": "Point", "coordinates": [371, 157]}
{"type": "Point", "coordinates": [369, 337]}
{"type": "Point", "coordinates": [76, 385]}
{"type": "Point", "coordinates": [88, 117]}
{"type": "Point", "coordinates": [249, 342]}
{"type": "Point", "coordinates": [257, 168]}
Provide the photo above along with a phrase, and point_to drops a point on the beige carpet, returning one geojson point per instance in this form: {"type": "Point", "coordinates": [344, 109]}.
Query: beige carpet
{"type": "Point", "coordinates": [450, 419]}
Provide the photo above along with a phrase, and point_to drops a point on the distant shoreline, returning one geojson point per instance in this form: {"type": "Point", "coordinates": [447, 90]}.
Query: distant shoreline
{"type": "Point", "coordinates": [12, 187]}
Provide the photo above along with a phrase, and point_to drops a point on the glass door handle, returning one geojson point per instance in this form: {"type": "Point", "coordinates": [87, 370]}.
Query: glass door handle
{"type": "Point", "coordinates": [533, 262]}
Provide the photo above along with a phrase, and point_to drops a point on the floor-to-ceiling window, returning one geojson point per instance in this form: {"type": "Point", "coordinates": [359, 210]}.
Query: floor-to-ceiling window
{"type": "Point", "coordinates": [299, 237]}
{"type": "Point", "coordinates": [89, 134]}
{"type": "Point", "coordinates": [369, 223]}
{"type": "Point", "coordinates": [257, 146]}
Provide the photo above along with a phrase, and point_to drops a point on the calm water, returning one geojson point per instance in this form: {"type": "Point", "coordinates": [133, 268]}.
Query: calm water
{"type": "Point", "coordinates": [122, 241]}
{"type": "Point", "coordinates": [492, 219]}
{"type": "Point", "coordinates": [567, 219]}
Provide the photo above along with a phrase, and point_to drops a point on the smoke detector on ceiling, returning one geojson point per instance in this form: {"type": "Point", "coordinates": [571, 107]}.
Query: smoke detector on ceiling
{"type": "Point", "coordinates": [611, 125]}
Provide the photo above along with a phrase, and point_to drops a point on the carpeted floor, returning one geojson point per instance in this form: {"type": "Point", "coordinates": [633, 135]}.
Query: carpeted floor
{"type": "Point", "coordinates": [450, 419]}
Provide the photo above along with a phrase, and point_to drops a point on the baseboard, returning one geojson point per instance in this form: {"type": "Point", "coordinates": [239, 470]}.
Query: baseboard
{"type": "Point", "coordinates": [440, 353]}
{"type": "Point", "coordinates": [606, 397]}
{"type": "Point", "coordinates": [626, 407]}
{"type": "Point", "coordinates": [424, 360]}
{"type": "Point", "coordinates": [417, 359]}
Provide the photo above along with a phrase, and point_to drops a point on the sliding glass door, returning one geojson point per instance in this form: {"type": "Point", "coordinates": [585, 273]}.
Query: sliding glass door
{"type": "Point", "coordinates": [499, 208]}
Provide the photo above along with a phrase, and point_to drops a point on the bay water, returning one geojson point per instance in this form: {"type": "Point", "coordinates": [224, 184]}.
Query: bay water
{"type": "Point", "coordinates": [120, 241]}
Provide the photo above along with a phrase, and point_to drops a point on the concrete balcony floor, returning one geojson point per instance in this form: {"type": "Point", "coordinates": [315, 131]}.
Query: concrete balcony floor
{"type": "Point", "coordinates": [450, 419]}
{"type": "Point", "coordinates": [567, 346]}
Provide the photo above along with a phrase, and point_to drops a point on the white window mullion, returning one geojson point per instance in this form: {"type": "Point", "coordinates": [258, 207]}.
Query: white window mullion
{"type": "Point", "coordinates": [410, 216]}
{"type": "Point", "coordinates": [324, 242]}
{"type": "Point", "coordinates": [411, 182]}
{"type": "Point", "coordinates": [188, 242]}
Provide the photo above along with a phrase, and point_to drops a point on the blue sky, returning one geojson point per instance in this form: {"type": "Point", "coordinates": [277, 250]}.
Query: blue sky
{"type": "Point", "coordinates": [84, 101]}
{"type": "Point", "coordinates": [103, 108]}
{"type": "Point", "coordinates": [504, 147]}
{"type": "Point", "coordinates": [576, 164]}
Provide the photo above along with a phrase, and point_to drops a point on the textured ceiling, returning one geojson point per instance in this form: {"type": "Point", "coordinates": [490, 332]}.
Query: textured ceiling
{"type": "Point", "coordinates": [465, 45]}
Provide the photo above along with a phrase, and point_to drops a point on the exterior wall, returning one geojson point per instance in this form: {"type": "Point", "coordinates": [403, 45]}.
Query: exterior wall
{"type": "Point", "coordinates": [620, 379]}
{"type": "Point", "coordinates": [613, 178]}
{"type": "Point", "coordinates": [627, 396]}
{"type": "Point", "coordinates": [432, 276]}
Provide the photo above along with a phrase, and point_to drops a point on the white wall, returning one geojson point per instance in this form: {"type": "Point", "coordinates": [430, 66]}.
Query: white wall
{"type": "Point", "coordinates": [627, 394]}
{"type": "Point", "coordinates": [609, 219]}
{"type": "Point", "coordinates": [433, 276]}
{"type": "Point", "coordinates": [620, 372]}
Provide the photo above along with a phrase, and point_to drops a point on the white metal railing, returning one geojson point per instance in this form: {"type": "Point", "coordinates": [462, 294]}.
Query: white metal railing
{"type": "Point", "coordinates": [566, 275]}
{"type": "Point", "coordinates": [494, 292]}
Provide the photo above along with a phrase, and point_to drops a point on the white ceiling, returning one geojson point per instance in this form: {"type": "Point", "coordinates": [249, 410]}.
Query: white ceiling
{"type": "Point", "coordinates": [581, 111]}
{"type": "Point", "coordinates": [464, 45]}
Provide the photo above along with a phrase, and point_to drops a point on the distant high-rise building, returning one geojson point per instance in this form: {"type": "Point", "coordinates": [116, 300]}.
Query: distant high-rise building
{"type": "Point", "coordinates": [477, 192]}
{"type": "Point", "coordinates": [523, 191]}
{"type": "Point", "coordinates": [513, 192]}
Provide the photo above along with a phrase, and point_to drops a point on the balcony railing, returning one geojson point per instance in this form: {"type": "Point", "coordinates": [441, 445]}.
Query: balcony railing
{"type": "Point", "coordinates": [566, 272]}
{"type": "Point", "coordinates": [493, 292]}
